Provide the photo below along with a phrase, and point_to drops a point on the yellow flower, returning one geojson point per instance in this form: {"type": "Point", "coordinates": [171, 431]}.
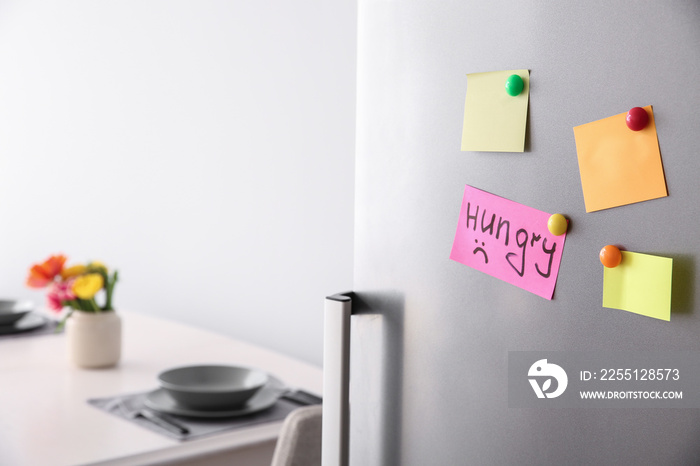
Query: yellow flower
{"type": "Point", "coordinates": [97, 266]}
{"type": "Point", "coordinates": [73, 271]}
{"type": "Point", "coordinates": [86, 286]}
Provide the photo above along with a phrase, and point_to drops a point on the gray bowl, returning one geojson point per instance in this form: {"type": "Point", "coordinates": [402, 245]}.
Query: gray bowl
{"type": "Point", "coordinates": [11, 311]}
{"type": "Point", "coordinates": [212, 387]}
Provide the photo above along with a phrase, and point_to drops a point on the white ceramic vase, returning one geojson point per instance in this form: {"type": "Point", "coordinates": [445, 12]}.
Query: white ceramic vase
{"type": "Point", "coordinates": [94, 339]}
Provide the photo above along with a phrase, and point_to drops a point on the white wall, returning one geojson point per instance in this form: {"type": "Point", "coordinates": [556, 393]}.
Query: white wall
{"type": "Point", "coordinates": [203, 148]}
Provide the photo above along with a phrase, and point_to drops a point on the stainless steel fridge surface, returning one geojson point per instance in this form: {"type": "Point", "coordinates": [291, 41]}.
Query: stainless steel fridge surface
{"type": "Point", "coordinates": [429, 336]}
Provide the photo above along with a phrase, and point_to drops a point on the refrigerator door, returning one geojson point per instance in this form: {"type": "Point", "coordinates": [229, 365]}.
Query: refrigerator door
{"type": "Point", "coordinates": [430, 337]}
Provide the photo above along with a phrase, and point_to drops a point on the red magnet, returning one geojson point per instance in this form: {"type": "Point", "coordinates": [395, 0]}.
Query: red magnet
{"type": "Point", "coordinates": [610, 256]}
{"type": "Point", "coordinates": [637, 119]}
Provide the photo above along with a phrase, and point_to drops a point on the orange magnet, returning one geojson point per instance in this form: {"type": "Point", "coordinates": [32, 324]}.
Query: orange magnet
{"type": "Point", "coordinates": [610, 256]}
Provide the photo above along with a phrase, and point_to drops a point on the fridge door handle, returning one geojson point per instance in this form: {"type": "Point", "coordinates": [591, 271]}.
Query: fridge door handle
{"type": "Point", "coordinates": [336, 380]}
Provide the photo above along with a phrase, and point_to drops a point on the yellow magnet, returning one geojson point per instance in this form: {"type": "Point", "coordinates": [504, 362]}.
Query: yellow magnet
{"type": "Point", "coordinates": [557, 224]}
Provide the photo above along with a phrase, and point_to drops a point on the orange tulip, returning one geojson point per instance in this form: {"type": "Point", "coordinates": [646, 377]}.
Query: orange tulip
{"type": "Point", "coordinates": [41, 275]}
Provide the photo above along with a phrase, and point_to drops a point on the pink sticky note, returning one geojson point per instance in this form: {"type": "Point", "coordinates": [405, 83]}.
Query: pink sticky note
{"type": "Point", "coordinates": [509, 241]}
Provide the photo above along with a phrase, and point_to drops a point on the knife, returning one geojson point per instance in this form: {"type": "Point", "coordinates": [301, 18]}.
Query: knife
{"type": "Point", "coordinates": [163, 422]}
{"type": "Point", "coordinates": [132, 412]}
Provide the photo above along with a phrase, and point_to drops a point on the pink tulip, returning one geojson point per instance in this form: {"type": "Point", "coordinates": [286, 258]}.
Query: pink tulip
{"type": "Point", "coordinates": [53, 303]}
{"type": "Point", "coordinates": [58, 293]}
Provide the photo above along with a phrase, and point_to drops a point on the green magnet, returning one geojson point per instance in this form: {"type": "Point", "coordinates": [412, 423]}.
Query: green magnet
{"type": "Point", "coordinates": [514, 85]}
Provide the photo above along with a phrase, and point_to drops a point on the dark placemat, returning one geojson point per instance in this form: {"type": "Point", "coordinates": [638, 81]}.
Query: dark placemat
{"type": "Point", "coordinates": [197, 427]}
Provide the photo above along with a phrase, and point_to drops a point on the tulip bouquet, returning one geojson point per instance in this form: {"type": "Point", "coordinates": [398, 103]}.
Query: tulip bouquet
{"type": "Point", "coordinates": [74, 287]}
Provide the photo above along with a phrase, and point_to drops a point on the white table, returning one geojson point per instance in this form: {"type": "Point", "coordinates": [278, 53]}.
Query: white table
{"type": "Point", "coordinates": [45, 419]}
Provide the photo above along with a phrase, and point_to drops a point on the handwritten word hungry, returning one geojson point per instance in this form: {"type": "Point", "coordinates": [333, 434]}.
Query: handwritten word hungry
{"type": "Point", "coordinates": [507, 240]}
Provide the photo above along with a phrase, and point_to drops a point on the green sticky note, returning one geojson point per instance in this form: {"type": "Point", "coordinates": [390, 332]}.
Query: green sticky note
{"type": "Point", "coordinates": [494, 120]}
{"type": "Point", "coordinates": [640, 284]}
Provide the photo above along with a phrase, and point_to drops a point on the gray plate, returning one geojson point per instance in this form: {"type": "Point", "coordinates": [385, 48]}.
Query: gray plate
{"type": "Point", "coordinates": [29, 322]}
{"type": "Point", "coordinates": [159, 400]}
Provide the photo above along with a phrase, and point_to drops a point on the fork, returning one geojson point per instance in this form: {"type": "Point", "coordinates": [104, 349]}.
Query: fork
{"type": "Point", "coordinates": [301, 397]}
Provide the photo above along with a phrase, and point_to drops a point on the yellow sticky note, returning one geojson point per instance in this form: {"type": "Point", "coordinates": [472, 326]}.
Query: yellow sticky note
{"type": "Point", "coordinates": [640, 284]}
{"type": "Point", "coordinates": [619, 166]}
{"type": "Point", "coordinates": [495, 121]}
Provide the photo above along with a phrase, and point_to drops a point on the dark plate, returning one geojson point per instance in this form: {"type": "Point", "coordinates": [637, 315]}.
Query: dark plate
{"type": "Point", "coordinates": [9, 318]}
{"type": "Point", "coordinates": [12, 311]}
{"type": "Point", "coordinates": [29, 322]}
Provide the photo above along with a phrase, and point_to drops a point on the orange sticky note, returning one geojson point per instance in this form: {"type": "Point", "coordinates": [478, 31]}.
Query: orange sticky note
{"type": "Point", "coordinates": [619, 166]}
